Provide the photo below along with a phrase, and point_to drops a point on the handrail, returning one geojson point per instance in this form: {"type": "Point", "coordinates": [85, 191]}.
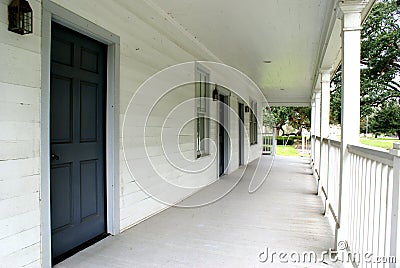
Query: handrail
{"type": "Point", "coordinates": [372, 153]}
{"type": "Point", "coordinates": [334, 143]}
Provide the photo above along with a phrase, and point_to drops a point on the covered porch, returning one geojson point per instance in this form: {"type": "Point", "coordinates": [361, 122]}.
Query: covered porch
{"type": "Point", "coordinates": [239, 58]}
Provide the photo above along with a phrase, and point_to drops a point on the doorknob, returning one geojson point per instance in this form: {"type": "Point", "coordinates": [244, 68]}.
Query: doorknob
{"type": "Point", "coordinates": [54, 157]}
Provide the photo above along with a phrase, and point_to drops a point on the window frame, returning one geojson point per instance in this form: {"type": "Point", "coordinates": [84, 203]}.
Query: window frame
{"type": "Point", "coordinates": [253, 122]}
{"type": "Point", "coordinates": [202, 77]}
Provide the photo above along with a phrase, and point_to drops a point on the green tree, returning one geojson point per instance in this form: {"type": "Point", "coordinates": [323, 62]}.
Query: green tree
{"type": "Point", "coordinates": [280, 117]}
{"type": "Point", "coordinates": [335, 102]}
{"type": "Point", "coordinates": [386, 119]}
{"type": "Point", "coordinates": [296, 117]}
{"type": "Point", "coordinates": [380, 61]}
{"type": "Point", "coordinates": [300, 118]}
{"type": "Point", "coordinates": [380, 54]}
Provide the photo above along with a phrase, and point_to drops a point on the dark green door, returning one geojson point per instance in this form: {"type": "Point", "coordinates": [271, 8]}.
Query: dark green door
{"type": "Point", "coordinates": [241, 133]}
{"type": "Point", "coordinates": [223, 134]}
{"type": "Point", "coordinates": [77, 140]}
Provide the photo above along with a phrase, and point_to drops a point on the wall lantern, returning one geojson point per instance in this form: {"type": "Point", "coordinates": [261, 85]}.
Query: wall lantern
{"type": "Point", "coordinates": [215, 93]}
{"type": "Point", "coordinates": [247, 109]}
{"type": "Point", "coordinates": [20, 17]}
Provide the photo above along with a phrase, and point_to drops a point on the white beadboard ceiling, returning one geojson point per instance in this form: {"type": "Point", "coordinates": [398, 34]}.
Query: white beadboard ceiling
{"type": "Point", "coordinates": [244, 34]}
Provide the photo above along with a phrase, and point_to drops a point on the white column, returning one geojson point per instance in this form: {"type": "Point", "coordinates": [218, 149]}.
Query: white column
{"type": "Point", "coordinates": [318, 113]}
{"type": "Point", "coordinates": [324, 128]}
{"type": "Point", "coordinates": [325, 103]}
{"type": "Point", "coordinates": [351, 47]}
{"type": "Point", "coordinates": [317, 128]}
{"type": "Point", "coordinates": [312, 130]}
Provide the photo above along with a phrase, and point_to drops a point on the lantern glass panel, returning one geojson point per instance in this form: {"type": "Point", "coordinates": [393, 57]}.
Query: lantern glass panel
{"type": "Point", "coordinates": [20, 17]}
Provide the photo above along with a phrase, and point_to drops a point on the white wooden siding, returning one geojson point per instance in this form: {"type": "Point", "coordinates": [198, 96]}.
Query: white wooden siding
{"type": "Point", "coordinates": [150, 41]}
{"type": "Point", "coordinates": [19, 142]}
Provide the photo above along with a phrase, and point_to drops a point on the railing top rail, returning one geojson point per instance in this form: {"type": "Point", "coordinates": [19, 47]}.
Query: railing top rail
{"type": "Point", "coordinates": [334, 143]}
{"type": "Point", "coordinates": [372, 153]}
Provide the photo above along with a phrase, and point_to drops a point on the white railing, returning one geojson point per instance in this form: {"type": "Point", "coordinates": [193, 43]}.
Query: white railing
{"type": "Point", "coordinates": [312, 143]}
{"type": "Point", "coordinates": [369, 217]}
{"type": "Point", "coordinates": [329, 174]}
{"type": "Point", "coordinates": [317, 147]}
{"type": "Point", "coordinates": [268, 142]}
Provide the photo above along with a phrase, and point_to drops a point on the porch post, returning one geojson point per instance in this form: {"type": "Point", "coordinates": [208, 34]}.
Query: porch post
{"type": "Point", "coordinates": [350, 132]}
{"type": "Point", "coordinates": [325, 102]}
{"type": "Point", "coordinates": [318, 112]}
{"type": "Point", "coordinates": [312, 130]}
{"type": "Point", "coordinates": [317, 130]}
{"type": "Point", "coordinates": [324, 125]}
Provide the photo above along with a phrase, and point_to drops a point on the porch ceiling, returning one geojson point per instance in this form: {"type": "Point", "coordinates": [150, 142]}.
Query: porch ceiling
{"type": "Point", "coordinates": [244, 34]}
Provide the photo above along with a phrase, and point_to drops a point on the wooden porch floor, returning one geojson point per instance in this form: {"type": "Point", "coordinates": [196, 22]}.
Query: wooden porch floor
{"type": "Point", "coordinates": [283, 215]}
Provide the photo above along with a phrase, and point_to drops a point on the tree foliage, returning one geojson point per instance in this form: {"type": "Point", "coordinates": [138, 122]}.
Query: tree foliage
{"type": "Point", "coordinates": [386, 119]}
{"type": "Point", "coordinates": [296, 117]}
{"type": "Point", "coordinates": [380, 61]}
{"type": "Point", "coordinates": [380, 54]}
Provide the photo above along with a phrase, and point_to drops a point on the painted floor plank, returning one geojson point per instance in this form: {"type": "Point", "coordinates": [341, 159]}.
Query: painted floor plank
{"type": "Point", "coordinates": [283, 215]}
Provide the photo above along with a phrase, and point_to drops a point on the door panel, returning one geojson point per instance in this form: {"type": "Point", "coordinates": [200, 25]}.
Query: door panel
{"type": "Point", "coordinates": [89, 60]}
{"type": "Point", "coordinates": [61, 190]}
{"type": "Point", "coordinates": [61, 94]}
{"type": "Point", "coordinates": [77, 140]}
{"type": "Point", "coordinates": [88, 115]}
{"type": "Point", "coordinates": [89, 189]}
{"type": "Point", "coordinates": [66, 57]}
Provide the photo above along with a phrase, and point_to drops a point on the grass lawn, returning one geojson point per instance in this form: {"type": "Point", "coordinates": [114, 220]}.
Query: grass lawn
{"type": "Point", "coordinates": [386, 143]}
{"type": "Point", "coordinates": [286, 150]}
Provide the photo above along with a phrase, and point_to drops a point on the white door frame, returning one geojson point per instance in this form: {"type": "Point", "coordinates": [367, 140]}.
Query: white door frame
{"type": "Point", "coordinates": [53, 12]}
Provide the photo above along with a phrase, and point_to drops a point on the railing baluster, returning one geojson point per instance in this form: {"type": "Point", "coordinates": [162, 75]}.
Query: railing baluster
{"type": "Point", "coordinates": [365, 206]}
{"type": "Point", "coordinates": [371, 194]}
{"type": "Point", "coordinates": [327, 173]}
{"type": "Point", "coordinates": [385, 175]}
{"type": "Point", "coordinates": [358, 200]}
{"type": "Point", "coordinates": [382, 221]}
{"type": "Point", "coordinates": [351, 210]}
{"type": "Point", "coordinates": [367, 198]}
{"type": "Point", "coordinates": [375, 242]}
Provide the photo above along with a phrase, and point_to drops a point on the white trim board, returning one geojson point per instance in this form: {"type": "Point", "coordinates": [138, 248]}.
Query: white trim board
{"type": "Point", "coordinates": [53, 12]}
